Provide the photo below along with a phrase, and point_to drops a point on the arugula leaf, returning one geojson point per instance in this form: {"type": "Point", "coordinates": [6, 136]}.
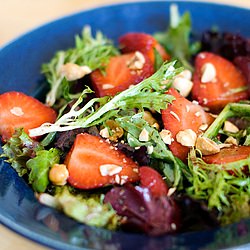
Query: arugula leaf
{"type": "Point", "coordinates": [18, 149]}
{"type": "Point", "coordinates": [88, 208]}
{"type": "Point", "coordinates": [142, 95]}
{"type": "Point", "coordinates": [228, 193]}
{"type": "Point", "coordinates": [169, 165]}
{"type": "Point", "coordinates": [90, 51]}
{"type": "Point", "coordinates": [176, 39]}
{"type": "Point", "coordinates": [39, 168]}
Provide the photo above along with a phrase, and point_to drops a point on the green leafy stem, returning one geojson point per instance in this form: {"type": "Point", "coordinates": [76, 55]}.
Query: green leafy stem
{"type": "Point", "coordinates": [230, 110]}
{"type": "Point", "coordinates": [150, 93]}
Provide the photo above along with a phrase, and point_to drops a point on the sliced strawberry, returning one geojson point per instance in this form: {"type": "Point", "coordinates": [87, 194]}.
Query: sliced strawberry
{"type": "Point", "coordinates": [181, 115]}
{"type": "Point", "coordinates": [92, 162]}
{"type": "Point", "coordinates": [144, 43]}
{"type": "Point", "coordinates": [221, 89]}
{"type": "Point", "coordinates": [227, 155]}
{"type": "Point", "coordinates": [120, 74]}
{"type": "Point", "coordinates": [152, 180]}
{"type": "Point", "coordinates": [22, 111]}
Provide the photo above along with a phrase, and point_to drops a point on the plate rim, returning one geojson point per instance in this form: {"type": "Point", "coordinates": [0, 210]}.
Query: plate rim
{"type": "Point", "coordinates": [108, 5]}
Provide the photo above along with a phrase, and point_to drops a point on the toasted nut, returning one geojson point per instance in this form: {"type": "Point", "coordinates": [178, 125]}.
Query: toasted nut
{"type": "Point", "coordinates": [107, 86]}
{"type": "Point", "coordinates": [173, 226]}
{"type": "Point", "coordinates": [17, 111]}
{"type": "Point", "coordinates": [186, 137]}
{"type": "Point", "coordinates": [48, 200]}
{"type": "Point", "coordinates": [202, 55]}
{"type": "Point", "coordinates": [203, 127]}
{"type": "Point", "coordinates": [195, 102]}
{"type": "Point", "coordinates": [166, 136]}
{"type": "Point", "coordinates": [116, 131]}
{"type": "Point", "coordinates": [175, 116]}
{"type": "Point", "coordinates": [137, 61]}
{"type": "Point", "coordinates": [110, 169]}
{"type": "Point", "coordinates": [187, 108]}
{"type": "Point", "coordinates": [230, 127]}
{"type": "Point", "coordinates": [150, 149]}
{"type": "Point", "coordinates": [231, 140]}
{"type": "Point", "coordinates": [104, 133]}
{"type": "Point", "coordinates": [147, 116]}
{"type": "Point", "coordinates": [205, 101]}
{"type": "Point", "coordinates": [207, 146]}
{"type": "Point", "coordinates": [183, 85]}
{"type": "Point", "coordinates": [156, 126]}
{"type": "Point", "coordinates": [197, 114]}
{"type": "Point", "coordinates": [208, 73]}
{"type": "Point", "coordinates": [117, 179]}
{"type": "Point", "coordinates": [171, 191]}
{"type": "Point", "coordinates": [187, 74]}
{"type": "Point", "coordinates": [224, 145]}
{"type": "Point", "coordinates": [72, 71]}
{"type": "Point", "coordinates": [144, 135]}
{"type": "Point", "coordinates": [123, 179]}
{"type": "Point", "coordinates": [59, 174]}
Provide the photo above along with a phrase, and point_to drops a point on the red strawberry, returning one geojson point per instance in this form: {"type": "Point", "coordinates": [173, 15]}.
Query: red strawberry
{"type": "Point", "coordinates": [21, 111]}
{"type": "Point", "coordinates": [181, 115]}
{"type": "Point", "coordinates": [216, 90]}
{"type": "Point", "coordinates": [227, 155]}
{"type": "Point", "coordinates": [92, 162]}
{"type": "Point", "coordinates": [144, 43]}
{"type": "Point", "coordinates": [120, 74]}
{"type": "Point", "coordinates": [152, 180]}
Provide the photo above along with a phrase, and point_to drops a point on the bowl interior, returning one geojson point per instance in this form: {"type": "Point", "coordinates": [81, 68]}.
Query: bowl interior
{"type": "Point", "coordinates": [20, 70]}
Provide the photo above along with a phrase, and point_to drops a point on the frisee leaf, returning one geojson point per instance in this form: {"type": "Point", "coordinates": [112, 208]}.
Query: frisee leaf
{"type": "Point", "coordinates": [50, 137]}
{"type": "Point", "coordinates": [67, 96]}
{"type": "Point", "coordinates": [139, 96]}
{"type": "Point", "coordinates": [221, 189]}
{"type": "Point", "coordinates": [90, 51]}
{"type": "Point", "coordinates": [176, 39]}
{"type": "Point", "coordinates": [134, 126]}
{"type": "Point", "coordinates": [39, 168]}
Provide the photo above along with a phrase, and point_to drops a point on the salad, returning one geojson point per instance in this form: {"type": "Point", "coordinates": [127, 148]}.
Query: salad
{"type": "Point", "coordinates": [151, 135]}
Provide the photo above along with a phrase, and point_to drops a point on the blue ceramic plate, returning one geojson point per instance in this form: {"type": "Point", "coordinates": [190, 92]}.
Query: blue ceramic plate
{"type": "Point", "coordinates": [20, 71]}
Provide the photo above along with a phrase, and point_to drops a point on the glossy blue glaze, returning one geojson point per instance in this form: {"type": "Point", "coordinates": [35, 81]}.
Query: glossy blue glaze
{"type": "Point", "coordinates": [20, 70]}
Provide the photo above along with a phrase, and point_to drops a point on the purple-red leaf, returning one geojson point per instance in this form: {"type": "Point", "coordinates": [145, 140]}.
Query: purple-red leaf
{"type": "Point", "coordinates": [144, 212]}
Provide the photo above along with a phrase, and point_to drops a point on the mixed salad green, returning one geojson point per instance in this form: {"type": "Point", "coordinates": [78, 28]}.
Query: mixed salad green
{"type": "Point", "coordinates": [139, 157]}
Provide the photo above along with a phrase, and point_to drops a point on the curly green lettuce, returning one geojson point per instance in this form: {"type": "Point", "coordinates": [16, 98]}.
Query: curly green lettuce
{"type": "Point", "coordinates": [93, 52]}
{"type": "Point", "coordinates": [215, 184]}
{"type": "Point", "coordinates": [150, 93]}
{"type": "Point", "coordinates": [176, 39]}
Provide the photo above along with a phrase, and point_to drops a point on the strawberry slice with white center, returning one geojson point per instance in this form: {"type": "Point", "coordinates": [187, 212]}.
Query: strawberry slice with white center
{"type": "Point", "coordinates": [22, 111]}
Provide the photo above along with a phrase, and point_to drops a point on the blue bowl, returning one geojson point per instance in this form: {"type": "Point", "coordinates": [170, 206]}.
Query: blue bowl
{"type": "Point", "coordinates": [20, 70]}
